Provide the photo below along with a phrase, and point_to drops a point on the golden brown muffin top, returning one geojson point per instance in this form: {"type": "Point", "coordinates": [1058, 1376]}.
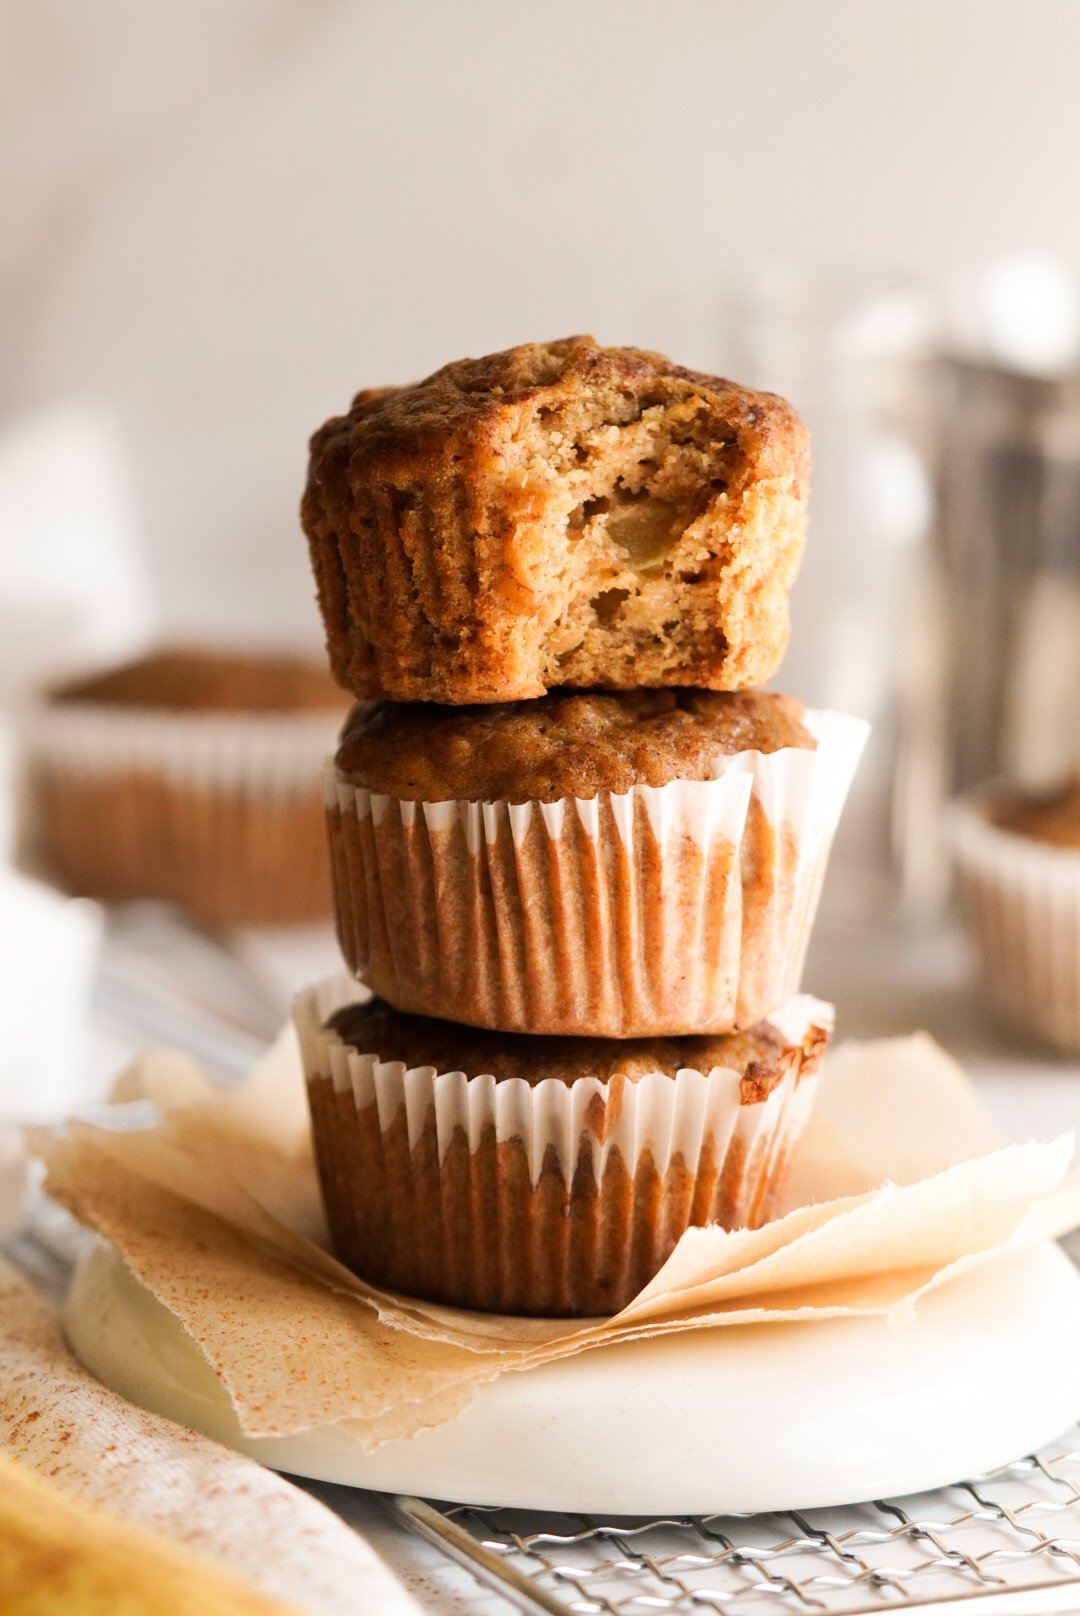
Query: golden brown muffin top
{"type": "Point", "coordinates": [1045, 816]}
{"type": "Point", "coordinates": [557, 515]}
{"type": "Point", "coordinates": [185, 679]}
{"type": "Point", "coordinates": [408, 420]}
{"type": "Point", "coordinates": [376, 1029]}
{"type": "Point", "coordinates": [561, 745]}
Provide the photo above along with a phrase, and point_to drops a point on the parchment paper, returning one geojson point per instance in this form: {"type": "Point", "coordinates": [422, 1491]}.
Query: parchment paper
{"type": "Point", "coordinates": [900, 1187]}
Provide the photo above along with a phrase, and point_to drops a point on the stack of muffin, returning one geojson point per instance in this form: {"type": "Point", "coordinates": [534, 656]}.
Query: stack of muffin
{"type": "Point", "coordinates": [575, 853]}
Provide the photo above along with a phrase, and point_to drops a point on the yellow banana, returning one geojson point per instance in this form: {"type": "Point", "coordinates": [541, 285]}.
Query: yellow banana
{"type": "Point", "coordinates": [59, 1557]}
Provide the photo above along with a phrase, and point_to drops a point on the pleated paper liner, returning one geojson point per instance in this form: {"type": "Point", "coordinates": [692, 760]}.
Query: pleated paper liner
{"type": "Point", "coordinates": [1021, 901]}
{"type": "Point", "coordinates": [684, 908]}
{"type": "Point", "coordinates": [558, 1199]}
{"type": "Point", "coordinates": [219, 813]}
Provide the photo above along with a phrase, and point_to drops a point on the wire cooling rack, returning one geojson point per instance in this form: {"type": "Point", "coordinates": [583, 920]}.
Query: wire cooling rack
{"type": "Point", "coordinates": [1001, 1544]}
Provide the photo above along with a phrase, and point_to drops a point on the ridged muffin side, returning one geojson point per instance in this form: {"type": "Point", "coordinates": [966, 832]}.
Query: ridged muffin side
{"type": "Point", "coordinates": [674, 908]}
{"type": "Point", "coordinates": [551, 1178]}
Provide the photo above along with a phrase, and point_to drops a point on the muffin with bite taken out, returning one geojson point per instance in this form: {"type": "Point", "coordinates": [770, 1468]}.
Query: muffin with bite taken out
{"type": "Point", "coordinates": [561, 514]}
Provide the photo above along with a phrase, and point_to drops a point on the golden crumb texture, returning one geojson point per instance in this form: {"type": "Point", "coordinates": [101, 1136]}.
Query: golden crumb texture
{"type": "Point", "coordinates": [560, 514]}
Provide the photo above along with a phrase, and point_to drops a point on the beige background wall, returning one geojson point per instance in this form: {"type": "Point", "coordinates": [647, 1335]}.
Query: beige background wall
{"type": "Point", "coordinates": [220, 217]}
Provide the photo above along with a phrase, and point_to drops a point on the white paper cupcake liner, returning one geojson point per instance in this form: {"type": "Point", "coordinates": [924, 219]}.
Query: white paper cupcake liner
{"type": "Point", "coordinates": [275, 754]}
{"type": "Point", "coordinates": [219, 813]}
{"type": "Point", "coordinates": [551, 1198]}
{"type": "Point", "coordinates": [684, 908]}
{"type": "Point", "coordinates": [1021, 903]}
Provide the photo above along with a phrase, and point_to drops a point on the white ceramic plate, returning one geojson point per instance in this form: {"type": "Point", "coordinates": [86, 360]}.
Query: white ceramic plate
{"type": "Point", "coordinates": [773, 1417]}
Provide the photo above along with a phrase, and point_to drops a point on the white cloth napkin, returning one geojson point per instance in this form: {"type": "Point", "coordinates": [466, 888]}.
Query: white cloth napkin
{"type": "Point", "coordinates": [74, 587]}
{"type": "Point", "coordinates": [48, 954]}
{"type": "Point", "coordinates": [57, 1419]}
{"type": "Point", "coordinates": [73, 581]}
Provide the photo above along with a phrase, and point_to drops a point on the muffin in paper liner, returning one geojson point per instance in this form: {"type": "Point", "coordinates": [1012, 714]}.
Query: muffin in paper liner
{"type": "Point", "coordinates": [220, 813]}
{"type": "Point", "coordinates": [1021, 903]}
{"type": "Point", "coordinates": [556, 1198]}
{"type": "Point", "coordinates": [682, 908]}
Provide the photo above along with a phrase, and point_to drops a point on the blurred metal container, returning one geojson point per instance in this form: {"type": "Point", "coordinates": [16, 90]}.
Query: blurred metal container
{"type": "Point", "coordinates": [940, 593]}
{"type": "Point", "coordinates": [1008, 550]}
{"type": "Point", "coordinates": [854, 356]}
{"type": "Point", "coordinates": [993, 665]}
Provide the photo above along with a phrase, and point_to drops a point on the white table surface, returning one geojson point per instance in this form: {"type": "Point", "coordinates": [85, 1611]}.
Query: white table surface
{"type": "Point", "coordinates": [886, 976]}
